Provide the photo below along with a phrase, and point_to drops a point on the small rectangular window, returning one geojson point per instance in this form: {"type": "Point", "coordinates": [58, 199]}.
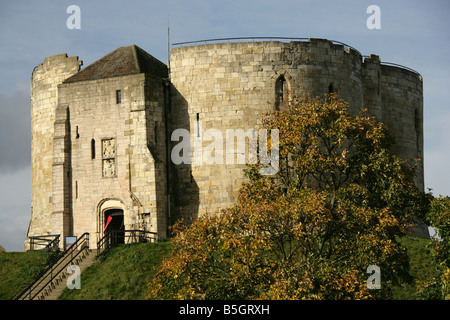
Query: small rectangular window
{"type": "Point", "coordinates": [198, 125]}
{"type": "Point", "coordinates": [93, 149]}
{"type": "Point", "coordinates": [118, 96]}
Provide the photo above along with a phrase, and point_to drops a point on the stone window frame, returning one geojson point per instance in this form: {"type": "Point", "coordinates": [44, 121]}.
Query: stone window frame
{"type": "Point", "coordinates": [118, 96]}
{"type": "Point", "coordinates": [284, 77]}
{"type": "Point", "coordinates": [331, 88]}
{"type": "Point", "coordinates": [109, 158]}
{"type": "Point", "coordinates": [418, 130]}
{"type": "Point", "coordinates": [108, 204]}
{"type": "Point", "coordinates": [93, 149]}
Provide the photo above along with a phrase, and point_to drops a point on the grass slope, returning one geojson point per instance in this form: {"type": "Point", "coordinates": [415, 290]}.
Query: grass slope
{"type": "Point", "coordinates": [422, 267]}
{"type": "Point", "coordinates": [121, 273]}
{"type": "Point", "coordinates": [18, 269]}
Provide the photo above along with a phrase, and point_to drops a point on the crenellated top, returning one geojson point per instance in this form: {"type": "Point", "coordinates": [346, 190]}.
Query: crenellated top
{"type": "Point", "coordinates": [346, 47]}
{"type": "Point", "coordinates": [304, 42]}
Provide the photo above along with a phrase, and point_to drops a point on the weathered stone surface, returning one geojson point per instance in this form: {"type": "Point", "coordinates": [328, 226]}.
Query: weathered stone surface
{"type": "Point", "coordinates": [101, 137]}
{"type": "Point", "coordinates": [44, 100]}
{"type": "Point", "coordinates": [229, 86]}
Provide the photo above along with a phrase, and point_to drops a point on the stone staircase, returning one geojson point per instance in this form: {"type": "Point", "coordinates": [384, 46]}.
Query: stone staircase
{"type": "Point", "coordinates": [50, 284]}
{"type": "Point", "coordinates": [53, 281]}
{"type": "Point", "coordinates": [54, 290]}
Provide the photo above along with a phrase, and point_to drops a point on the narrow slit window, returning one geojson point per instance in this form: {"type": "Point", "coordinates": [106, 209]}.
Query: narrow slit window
{"type": "Point", "coordinates": [378, 89]}
{"type": "Point", "coordinates": [280, 92]}
{"type": "Point", "coordinates": [198, 125]}
{"type": "Point", "coordinates": [331, 88]}
{"type": "Point", "coordinates": [417, 127]}
{"type": "Point", "coordinates": [118, 96]}
{"type": "Point", "coordinates": [93, 149]}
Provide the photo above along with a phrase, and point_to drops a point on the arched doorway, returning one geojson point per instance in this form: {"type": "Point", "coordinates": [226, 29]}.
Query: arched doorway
{"type": "Point", "coordinates": [114, 223]}
{"type": "Point", "coordinates": [114, 210]}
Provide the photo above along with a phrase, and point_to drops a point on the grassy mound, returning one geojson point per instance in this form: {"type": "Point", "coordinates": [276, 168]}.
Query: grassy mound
{"type": "Point", "coordinates": [422, 267]}
{"type": "Point", "coordinates": [18, 269]}
{"type": "Point", "coordinates": [120, 273]}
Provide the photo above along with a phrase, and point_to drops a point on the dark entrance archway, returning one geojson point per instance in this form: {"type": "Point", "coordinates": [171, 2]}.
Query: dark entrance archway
{"type": "Point", "coordinates": [114, 223]}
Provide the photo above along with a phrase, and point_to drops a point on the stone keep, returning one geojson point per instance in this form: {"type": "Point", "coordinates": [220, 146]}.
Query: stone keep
{"type": "Point", "coordinates": [229, 85]}
{"type": "Point", "coordinates": [101, 137]}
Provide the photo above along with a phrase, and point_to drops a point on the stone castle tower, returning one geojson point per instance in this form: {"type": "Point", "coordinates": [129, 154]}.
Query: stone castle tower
{"type": "Point", "coordinates": [102, 137]}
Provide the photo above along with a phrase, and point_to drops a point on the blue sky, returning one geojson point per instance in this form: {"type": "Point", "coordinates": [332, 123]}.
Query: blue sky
{"type": "Point", "coordinates": [413, 33]}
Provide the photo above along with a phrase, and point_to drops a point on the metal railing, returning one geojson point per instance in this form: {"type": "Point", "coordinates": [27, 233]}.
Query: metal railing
{"type": "Point", "coordinates": [77, 250]}
{"type": "Point", "coordinates": [396, 65]}
{"type": "Point", "coordinates": [253, 39]}
{"type": "Point", "coordinates": [47, 242]}
{"type": "Point", "coordinates": [118, 237]}
{"type": "Point", "coordinates": [45, 279]}
{"type": "Point", "coordinates": [238, 39]}
{"type": "Point", "coordinates": [400, 66]}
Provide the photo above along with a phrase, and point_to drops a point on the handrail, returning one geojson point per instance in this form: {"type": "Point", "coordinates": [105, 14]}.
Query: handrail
{"type": "Point", "coordinates": [236, 39]}
{"type": "Point", "coordinates": [81, 243]}
{"type": "Point", "coordinates": [400, 66]}
{"type": "Point", "coordinates": [76, 249]}
{"type": "Point", "coordinates": [115, 237]}
{"type": "Point", "coordinates": [52, 244]}
{"type": "Point", "coordinates": [397, 66]}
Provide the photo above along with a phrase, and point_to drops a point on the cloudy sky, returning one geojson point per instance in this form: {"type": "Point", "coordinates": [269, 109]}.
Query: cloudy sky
{"type": "Point", "coordinates": [413, 33]}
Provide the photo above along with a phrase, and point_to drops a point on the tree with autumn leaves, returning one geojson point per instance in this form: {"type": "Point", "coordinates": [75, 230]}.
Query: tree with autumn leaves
{"type": "Point", "coordinates": [335, 208]}
{"type": "Point", "coordinates": [438, 287]}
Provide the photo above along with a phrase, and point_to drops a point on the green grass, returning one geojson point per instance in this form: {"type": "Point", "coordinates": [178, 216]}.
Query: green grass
{"type": "Point", "coordinates": [121, 273]}
{"type": "Point", "coordinates": [124, 272]}
{"type": "Point", "coordinates": [422, 267]}
{"type": "Point", "coordinates": [18, 269]}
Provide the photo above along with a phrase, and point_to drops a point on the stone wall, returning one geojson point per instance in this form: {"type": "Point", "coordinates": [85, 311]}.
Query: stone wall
{"type": "Point", "coordinates": [44, 99]}
{"type": "Point", "coordinates": [402, 111]}
{"type": "Point", "coordinates": [395, 96]}
{"type": "Point", "coordinates": [91, 153]}
{"type": "Point", "coordinates": [130, 176]}
{"type": "Point", "coordinates": [230, 85]}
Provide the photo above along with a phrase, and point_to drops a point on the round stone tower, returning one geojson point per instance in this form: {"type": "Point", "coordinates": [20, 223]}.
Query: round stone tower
{"type": "Point", "coordinates": [216, 95]}
{"type": "Point", "coordinates": [44, 99]}
{"type": "Point", "coordinates": [228, 86]}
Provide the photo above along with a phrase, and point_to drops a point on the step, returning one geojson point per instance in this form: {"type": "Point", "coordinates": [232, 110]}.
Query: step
{"type": "Point", "coordinates": [55, 288]}
{"type": "Point", "coordinates": [61, 284]}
